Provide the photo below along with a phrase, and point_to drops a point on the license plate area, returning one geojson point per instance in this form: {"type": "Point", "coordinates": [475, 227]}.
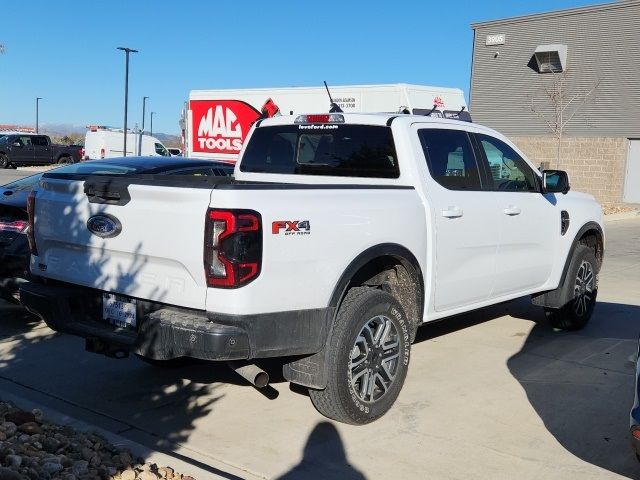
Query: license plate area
{"type": "Point", "coordinates": [119, 311]}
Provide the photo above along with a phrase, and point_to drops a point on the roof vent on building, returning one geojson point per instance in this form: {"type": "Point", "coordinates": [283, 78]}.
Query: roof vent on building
{"type": "Point", "coordinates": [551, 58]}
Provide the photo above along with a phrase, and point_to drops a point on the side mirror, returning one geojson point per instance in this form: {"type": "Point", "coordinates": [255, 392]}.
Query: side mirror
{"type": "Point", "coordinates": [555, 181]}
{"type": "Point", "coordinates": [16, 144]}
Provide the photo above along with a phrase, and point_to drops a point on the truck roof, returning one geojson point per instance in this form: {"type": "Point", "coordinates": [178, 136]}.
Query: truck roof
{"type": "Point", "coordinates": [367, 119]}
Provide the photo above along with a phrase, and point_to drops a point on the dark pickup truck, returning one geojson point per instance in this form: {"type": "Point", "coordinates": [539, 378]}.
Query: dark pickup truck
{"type": "Point", "coordinates": [28, 149]}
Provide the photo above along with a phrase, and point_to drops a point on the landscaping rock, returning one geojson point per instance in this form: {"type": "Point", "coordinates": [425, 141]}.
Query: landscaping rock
{"type": "Point", "coordinates": [19, 417]}
{"type": "Point", "coordinates": [33, 449]}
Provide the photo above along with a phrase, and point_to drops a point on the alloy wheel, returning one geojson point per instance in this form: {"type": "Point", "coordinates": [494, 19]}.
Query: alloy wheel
{"type": "Point", "coordinates": [374, 359]}
{"type": "Point", "coordinates": [583, 290]}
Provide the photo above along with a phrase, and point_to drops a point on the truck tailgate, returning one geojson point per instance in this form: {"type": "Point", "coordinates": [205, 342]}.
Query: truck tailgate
{"type": "Point", "coordinates": [156, 252]}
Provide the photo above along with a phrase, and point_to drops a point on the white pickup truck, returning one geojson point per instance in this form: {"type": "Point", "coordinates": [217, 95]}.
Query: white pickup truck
{"type": "Point", "coordinates": [338, 237]}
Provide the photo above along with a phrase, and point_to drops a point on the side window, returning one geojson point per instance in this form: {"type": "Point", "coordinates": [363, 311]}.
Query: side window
{"type": "Point", "coordinates": [160, 150]}
{"type": "Point", "coordinates": [509, 171]}
{"type": "Point", "coordinates": [39, 141]}
{"type": "Point", "coordinates": [26, 141]}
{"type": "Point", "coordinates": [450, 158]}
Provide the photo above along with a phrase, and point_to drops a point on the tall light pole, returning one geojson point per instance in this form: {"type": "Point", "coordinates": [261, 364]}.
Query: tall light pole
{"type": "Point", "coordinates": [37, 111]}
{"type": "Point", "coordinates": [127, 51]}
{"type": "Point", "coordinates": [144, 101]}
{"type": "Point", "coordinates": [151, 128]}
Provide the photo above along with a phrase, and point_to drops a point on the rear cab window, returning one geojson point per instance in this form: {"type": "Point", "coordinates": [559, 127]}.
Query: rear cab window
{"type": "Point", "coordinates": [343, 150]}
{"type": "Point", "coordinates": [39, 141]}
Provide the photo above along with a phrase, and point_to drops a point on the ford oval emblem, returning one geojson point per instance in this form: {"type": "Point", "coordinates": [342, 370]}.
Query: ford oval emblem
{"type": "Point", "coordinates": [104, 226]}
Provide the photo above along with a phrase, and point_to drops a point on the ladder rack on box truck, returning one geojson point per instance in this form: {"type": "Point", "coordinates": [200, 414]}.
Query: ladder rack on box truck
{"type": "Point", "coordinates": [216, 122]}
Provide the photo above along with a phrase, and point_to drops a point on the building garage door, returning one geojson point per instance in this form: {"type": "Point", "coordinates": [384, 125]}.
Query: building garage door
{"type": "Point", "coordinates": [632, 177]}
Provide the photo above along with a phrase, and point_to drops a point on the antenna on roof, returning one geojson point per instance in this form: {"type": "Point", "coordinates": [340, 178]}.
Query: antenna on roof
{"type": "Point", "coordinates": [432, 110]}
{"type": "Point", "coordinates": [462, 109]}
{"type": "Point", "coordinates": [333, 107]}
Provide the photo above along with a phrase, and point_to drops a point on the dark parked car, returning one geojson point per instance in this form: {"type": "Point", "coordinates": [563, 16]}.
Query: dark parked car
{"type": "Point", "coordinates": [28, 149]}
{"type": "Point", "coordinates": [14, 247]}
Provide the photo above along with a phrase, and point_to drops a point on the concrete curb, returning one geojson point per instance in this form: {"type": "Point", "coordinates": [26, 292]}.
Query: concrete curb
{"type": "Point", "coordinates": [622, 216]}
{"type": "Point", "coordinates": [137, 449]}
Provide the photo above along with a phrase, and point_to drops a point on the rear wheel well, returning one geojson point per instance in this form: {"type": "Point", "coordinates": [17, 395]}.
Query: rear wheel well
{"type": "Point", "coordinates": [389, 267]}
{"type": "Point", "coordinates": [398, 277]}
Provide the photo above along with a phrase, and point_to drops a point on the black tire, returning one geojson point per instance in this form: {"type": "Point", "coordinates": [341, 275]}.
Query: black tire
{"type": "Point", "coordinates": [4, 161]}
{"type": "Point", "coordinates": [65, 160]}
{"type": "Point", "coordinates": [362, 313]}
{"type": "Point", "coordinates": [581, 290]}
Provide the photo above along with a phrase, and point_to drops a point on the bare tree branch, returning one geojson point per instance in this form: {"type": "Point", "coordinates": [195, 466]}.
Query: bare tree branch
{"type": "Point", "coordinates": [543, 117]}
{"type": "Point", "coordinates": [565, 103]}
{"type": "Point", "coordinates": [584, 100]}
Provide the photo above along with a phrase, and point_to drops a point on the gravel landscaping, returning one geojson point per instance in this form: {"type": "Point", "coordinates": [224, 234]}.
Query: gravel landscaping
{"type": "Point", "coordinates": [33, 449]}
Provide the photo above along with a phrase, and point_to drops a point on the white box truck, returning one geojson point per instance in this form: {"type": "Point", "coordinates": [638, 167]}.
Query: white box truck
{"type": "Point", "coordinates": [108, 142]}
{"type": "Point", "coordinates": [216, 122]}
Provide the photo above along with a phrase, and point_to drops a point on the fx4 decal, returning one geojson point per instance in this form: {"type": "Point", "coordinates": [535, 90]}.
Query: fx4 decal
{"type": "Point", "coordinates": [291, 227]}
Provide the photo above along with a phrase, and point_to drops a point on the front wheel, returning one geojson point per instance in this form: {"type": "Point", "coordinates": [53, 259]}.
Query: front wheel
{"type": "Point", "coordinates": [368, 357]}
{"type": "Point", "coordinates": [4, 161]}
{"type": "Point", "coordinates": [582, 284]}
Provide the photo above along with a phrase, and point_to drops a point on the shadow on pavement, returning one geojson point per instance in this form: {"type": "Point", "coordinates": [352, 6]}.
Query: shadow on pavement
{"type": "Point", "coordinates": [581, 384]}
{"type": "Point", "coordinates": [323, 458]}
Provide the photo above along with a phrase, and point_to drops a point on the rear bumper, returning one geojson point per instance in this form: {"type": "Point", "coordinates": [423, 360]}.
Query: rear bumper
{"type": "Point", "coordinates": [165, 332]}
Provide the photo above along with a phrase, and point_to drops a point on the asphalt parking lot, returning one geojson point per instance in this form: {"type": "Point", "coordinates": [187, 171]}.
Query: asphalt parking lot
{"type": "Point", "coordinates": [491, 394]}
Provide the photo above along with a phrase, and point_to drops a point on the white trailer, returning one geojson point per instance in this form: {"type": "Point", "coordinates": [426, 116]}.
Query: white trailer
{"type": "Point", "coordinates": [216, 122]}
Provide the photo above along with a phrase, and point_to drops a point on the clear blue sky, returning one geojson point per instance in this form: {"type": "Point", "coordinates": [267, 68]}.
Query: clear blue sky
{"type": "Point", "coordinates": [66, 51]}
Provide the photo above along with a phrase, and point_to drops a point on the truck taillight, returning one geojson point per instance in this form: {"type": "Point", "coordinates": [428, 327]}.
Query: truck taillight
{"type": "Point", "coordinates": [81, 153]}
{"type": "Point", "coordinates": [13, 226]}
{"type": "Point", "coordinates": [102, 153]}
{"type": "Point", "coordinates": [31, 211]}
{"type": "Point", "coordinates": [232, 247]}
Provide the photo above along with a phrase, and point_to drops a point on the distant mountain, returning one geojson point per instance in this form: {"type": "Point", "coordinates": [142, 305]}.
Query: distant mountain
{"type": "Point", "coordinates": [168, 140]}
{"type": "Point", "coordinates": [62, 129]}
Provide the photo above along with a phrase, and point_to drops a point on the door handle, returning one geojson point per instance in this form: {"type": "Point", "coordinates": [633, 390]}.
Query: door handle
{"type": "Point", "coordinates": [452, 212]}
{"type": "Point", "coordinates": [512, 210]}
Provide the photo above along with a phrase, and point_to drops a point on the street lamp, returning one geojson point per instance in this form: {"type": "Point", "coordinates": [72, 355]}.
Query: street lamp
{"type": "Point", "coordinates": [127, 51]}
{"type": "Point", "coordinates": [144, 101]}
{"type": "Point", "coordinates": [37, 111]}
{"type": "Point", "coordinates": [151, 128]}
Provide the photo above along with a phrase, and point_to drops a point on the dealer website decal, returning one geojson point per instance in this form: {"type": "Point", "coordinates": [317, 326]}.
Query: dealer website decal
{"type": "Point", "coordinates": [317, 127]}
